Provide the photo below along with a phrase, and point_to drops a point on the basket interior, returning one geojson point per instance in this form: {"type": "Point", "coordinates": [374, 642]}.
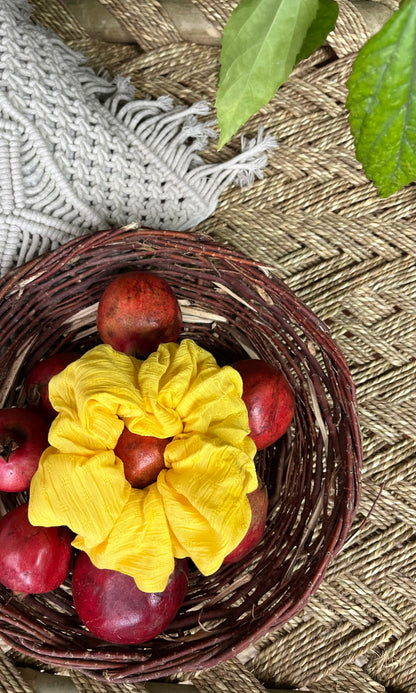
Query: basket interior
{"type": "Point", "coordinates": [234, 308]}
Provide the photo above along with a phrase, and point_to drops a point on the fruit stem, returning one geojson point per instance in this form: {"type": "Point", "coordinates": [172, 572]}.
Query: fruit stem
{"type": "Point", "coordinates": [7, 446]}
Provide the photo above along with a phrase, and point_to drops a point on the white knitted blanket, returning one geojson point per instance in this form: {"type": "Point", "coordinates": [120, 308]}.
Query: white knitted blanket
{"type": "Point", "coordinates": [78, 153]}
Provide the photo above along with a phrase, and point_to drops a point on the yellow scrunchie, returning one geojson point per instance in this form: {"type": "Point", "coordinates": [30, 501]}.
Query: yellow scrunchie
{"type": "Point", "coordinates": [198, 506]}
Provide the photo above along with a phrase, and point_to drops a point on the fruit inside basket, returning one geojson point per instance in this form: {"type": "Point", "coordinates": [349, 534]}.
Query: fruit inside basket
{"type": "Point", "coordinates": [235, 309]}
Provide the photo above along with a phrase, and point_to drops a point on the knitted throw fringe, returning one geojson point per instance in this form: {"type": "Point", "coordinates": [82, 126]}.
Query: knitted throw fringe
{"type": "Point", "coordinates": [79, 153]}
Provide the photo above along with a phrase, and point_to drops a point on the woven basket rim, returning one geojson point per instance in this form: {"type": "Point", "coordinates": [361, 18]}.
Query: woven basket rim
{"type": "Point", "coordinates": [263, 313]}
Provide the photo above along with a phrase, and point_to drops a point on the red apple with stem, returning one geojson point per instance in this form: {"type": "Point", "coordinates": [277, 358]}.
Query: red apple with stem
{"type": "Point", "coordinates": [138, 311]}
{"type": "Point", "coordinates": [23, 438]}
{"type": "Point", "coordinates": [258, 500]}
{"type": "Point", "coordinates": [269, 399]}
{"type": "Point", "coordinates": [37, 382]}
{"type": "Point", "coordinates": [142, 457]}
{"type": "Point", "coordinates": [114, 609]}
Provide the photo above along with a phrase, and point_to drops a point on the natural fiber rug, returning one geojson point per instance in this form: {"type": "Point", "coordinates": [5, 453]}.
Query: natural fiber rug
{"type": "Point", "coordinates": [351, 257]}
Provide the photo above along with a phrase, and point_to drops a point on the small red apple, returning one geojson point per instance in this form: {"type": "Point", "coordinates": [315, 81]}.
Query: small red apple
{"type": "Point", "coordinates": [269, 400]}
{"type": "Point", "coordinates": [142, 457]}
{"type": "Point", "coordinates": [33, 560]}
{"type": "Point", "coordinates": [113, 608]}
{"type": "Point", "coordinates": [137, 312]}
{"type": "Point", "coordinates": [23, 438]}
{"type": "Point", "coordinates": [37, 382]}
{"type": "Point", "coordinates": [258, 500]}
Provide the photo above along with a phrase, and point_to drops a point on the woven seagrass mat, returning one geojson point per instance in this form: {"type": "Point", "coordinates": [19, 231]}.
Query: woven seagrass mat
{"type": "Point", "coordinates": [351, 257]}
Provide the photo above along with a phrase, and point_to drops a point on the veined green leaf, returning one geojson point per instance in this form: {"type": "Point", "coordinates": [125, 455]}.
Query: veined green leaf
{"type": "Point", "coordinates": [261, 42]}
{"type": "Point", "coordinates": [382, 102]}
{"type": "Point", "coordinates": [323, 23]}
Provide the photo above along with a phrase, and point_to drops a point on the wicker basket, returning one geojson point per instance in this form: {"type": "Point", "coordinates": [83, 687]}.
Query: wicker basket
{"type": "Point", "coordinates": [234, 308]}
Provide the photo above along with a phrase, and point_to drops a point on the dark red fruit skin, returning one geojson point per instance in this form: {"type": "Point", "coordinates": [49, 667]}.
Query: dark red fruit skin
{"type": "Point", "coordinates": [33, 560]}
{"type": "Point", "coordinates": [137, 312]}
{"type": "Point", "coordinates": [23, 438]}
{"type": "Point", "coordinates": [142, 457]}
{"type": "Point", "coordinates": [259, 500]}
{"type": "Point", "coordinates": [269, 400]}
{"type": "Point", "coordinates": [37, 382]}
{"type": "Point", "coordinates": [113, 608]}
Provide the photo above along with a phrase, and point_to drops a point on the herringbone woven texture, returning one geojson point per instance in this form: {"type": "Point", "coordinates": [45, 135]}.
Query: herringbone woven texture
{"type": "Point", "coordinates": [351, 257]}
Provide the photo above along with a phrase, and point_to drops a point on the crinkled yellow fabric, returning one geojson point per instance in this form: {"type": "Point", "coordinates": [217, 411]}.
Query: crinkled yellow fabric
{"type": "Point", "coordinates": [198, 506]}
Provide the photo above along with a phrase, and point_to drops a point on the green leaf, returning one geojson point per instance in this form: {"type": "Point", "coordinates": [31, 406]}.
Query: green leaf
{"type": "Point", "coordinates": [382, 102]}
{"type": "Point", "coordinates": [323, 23]}
{"type": "Point", "coordinates": [261, 41]}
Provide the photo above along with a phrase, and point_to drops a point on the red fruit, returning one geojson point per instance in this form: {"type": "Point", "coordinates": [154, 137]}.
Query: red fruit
{"type": "Point", "coordinates": [259, 503]}
{"type": "Point", "coordinates": [23, 438]}
{"type": "Point", "coordinates": [113, 608]}
{"type": "Point", "coordinates": [37, 382]}
{"type": "Point", "coordinates": [137, 312]}
{"type": "Point", "coordinates": [33, 560]}
{"type": "Point", "coordinates": [269, 400]}
{"type": "Point", "coordinates": [142, 457]}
